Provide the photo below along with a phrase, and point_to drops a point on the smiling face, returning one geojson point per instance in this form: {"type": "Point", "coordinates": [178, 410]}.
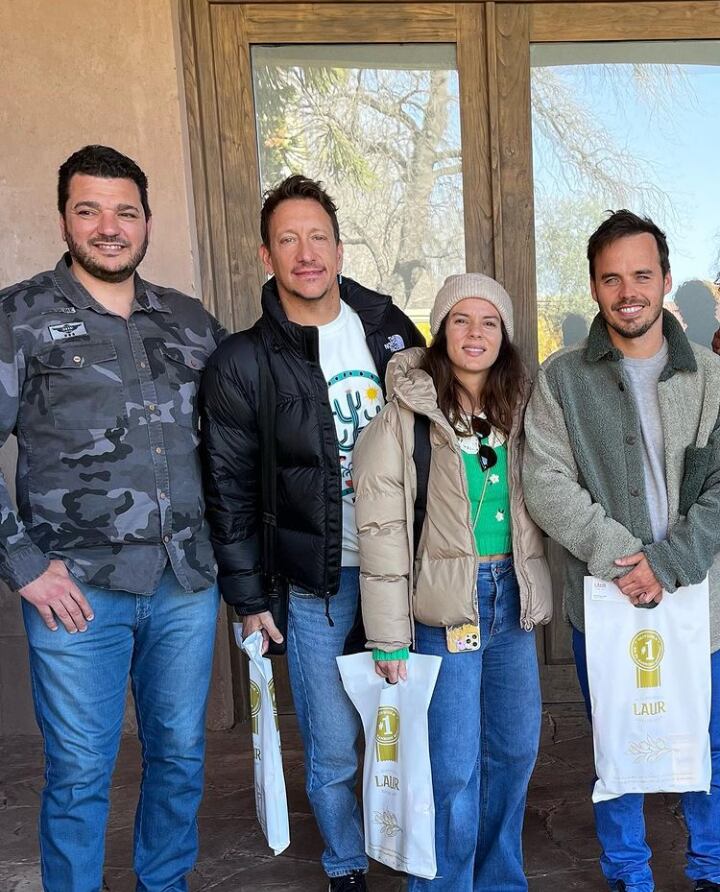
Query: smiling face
{"type": "Point", "coordinates": [302, 253]}
{"type": "Point", "coordinates": [104, 226]}
{"type": "Point", "coordinates": [473, 331]}
{"type": "Point", "coordinates": [629, 287]}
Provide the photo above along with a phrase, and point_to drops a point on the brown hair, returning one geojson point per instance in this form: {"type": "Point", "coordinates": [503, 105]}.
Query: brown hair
{"type": "Point", "coordinates": [505, 383]}
{"type": "Point", "coordinates": [621, 224]}
{"type": "Point", "coordinates": [296, 186]}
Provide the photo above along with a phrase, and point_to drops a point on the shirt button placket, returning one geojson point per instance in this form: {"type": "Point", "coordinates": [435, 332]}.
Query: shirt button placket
{"type": "Point", "coordinates": [154, 428]}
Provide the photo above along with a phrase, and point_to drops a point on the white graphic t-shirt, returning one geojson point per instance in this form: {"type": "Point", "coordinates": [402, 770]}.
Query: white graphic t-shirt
{"type": "Point", "coordinates": [355, 399]}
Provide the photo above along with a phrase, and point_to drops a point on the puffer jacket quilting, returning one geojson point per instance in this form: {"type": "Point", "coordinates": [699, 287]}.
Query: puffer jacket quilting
{"type": "Point", "coordinates": [442, 578]}
{"type": "Point", "coordinates": [309, 503]}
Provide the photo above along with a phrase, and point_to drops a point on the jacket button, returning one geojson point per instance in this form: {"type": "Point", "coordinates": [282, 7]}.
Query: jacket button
{"type": "Point", "coordinates": [635, 492]}
{"type": "Point", "coordinates": [621, 387]}
{"type": "Point", "coordinates": [167, 539]}
{"type": "Point", "coordinates": [77, 359]}
{"type": "Point", "coordinates": [630, 439]}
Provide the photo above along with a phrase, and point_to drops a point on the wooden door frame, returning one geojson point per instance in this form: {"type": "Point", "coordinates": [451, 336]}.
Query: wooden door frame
{"type": "Point", "coordinates": [221, 124]}
{"type": "Point", "coordinates": [518, 26]}
{"type": "Point", "coordinates": [493, 41]}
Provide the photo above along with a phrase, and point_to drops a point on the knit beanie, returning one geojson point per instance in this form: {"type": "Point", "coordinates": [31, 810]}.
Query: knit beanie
{"type": "Point", "coordinates": [458, 287]}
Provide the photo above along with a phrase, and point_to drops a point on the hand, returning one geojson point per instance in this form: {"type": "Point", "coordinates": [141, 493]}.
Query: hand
{"type": "Point", "coordinates": [716, 342]}
{"type": "Point", "coordinates": [56, 594]}
{"type": "Point", "coordinates": [261, 622]}
{"type": "Point", "coordinates": [392, 670]}
{"type": "Point", "coordinates": [640, 584]}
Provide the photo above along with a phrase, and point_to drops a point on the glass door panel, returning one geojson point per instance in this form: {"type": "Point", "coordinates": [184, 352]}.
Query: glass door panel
{"type": "Point", "coordinates": [379, 125]}
{"type": "Point", "coordinates": [633, 125]}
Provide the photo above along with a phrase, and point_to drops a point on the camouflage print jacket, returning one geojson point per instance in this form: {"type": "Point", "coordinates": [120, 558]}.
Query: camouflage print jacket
{"type": "Point", "coordinates": [108, 476]}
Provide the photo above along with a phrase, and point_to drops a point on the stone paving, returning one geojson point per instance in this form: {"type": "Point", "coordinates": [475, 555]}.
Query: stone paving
{"type": "Point", "coordinates": [560, 846]}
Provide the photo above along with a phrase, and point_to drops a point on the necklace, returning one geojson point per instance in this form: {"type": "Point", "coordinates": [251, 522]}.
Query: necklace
{"type": "Point", "coordinates": [482, 499]}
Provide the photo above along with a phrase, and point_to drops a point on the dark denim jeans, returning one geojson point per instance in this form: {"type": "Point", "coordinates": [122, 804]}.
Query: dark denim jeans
{"type": "Point", "coordinates": [484, 724]}
{"type": "Point", "coordinates": [164, 643]}
{"type": "Point", "coordinates": [620, 823]}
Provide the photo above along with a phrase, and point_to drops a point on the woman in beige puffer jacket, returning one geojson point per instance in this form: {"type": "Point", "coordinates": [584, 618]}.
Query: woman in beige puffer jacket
{"type": "Point", "coordinates": [478, 584]}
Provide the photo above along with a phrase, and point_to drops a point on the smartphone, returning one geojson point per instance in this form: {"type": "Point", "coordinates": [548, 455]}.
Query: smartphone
{"type": "Point", "coordinates": [463, 638]}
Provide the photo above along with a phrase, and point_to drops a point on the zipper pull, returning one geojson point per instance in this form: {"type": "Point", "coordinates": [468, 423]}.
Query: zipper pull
{"type": "Point", "coordinates": [327, 611]}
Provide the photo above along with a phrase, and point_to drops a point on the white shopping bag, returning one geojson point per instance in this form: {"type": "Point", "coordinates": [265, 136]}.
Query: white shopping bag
{"type": "Point", "coordinates": [649, 675]}
{"type": "Point", "coordinates": [397, 783]}
{"type": "Point", "coordinates": [270, 796]}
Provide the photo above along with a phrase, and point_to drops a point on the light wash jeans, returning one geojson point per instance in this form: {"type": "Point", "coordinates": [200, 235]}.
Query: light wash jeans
{"type": "Point", "coordinates": [329, 724]}
{"type": "Point", "coordinates": [620, 823]}
{"type": "Point", "coordinates": [164, 643]}
{"type": "Point", "coordinates": [484, 724]}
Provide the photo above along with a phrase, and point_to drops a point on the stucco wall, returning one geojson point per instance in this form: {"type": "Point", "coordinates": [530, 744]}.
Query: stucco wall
{"type": "Point", "coordinates": [74, 72]}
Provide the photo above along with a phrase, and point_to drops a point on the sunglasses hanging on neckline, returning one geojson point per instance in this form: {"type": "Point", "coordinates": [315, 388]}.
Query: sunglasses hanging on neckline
{"type": "Point", "coordinates": [487, 457]}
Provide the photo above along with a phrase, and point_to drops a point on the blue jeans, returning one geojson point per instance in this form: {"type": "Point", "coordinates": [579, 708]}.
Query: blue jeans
{"type": "Point", "coordinates": [484, 725]}
{"type": "Point", "coordinates": [620, 823]}
{"type": "Point", "coordinates": [164, 643]}
{"type": "Point", "coordinates": [329, 724]}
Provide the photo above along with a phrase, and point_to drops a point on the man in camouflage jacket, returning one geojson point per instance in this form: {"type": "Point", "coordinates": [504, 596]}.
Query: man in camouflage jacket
{"type": "Point", "coordinates": [108, 547]}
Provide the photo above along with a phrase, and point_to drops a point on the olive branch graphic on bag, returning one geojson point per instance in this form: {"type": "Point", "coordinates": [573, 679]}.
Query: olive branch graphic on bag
{"type": "Point", "coordinates": [387, 822]}
{"type": "Point", "coordinates": [650, 749]}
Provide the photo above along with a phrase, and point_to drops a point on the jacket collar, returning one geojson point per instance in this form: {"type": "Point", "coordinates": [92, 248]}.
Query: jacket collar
{"type": "Point", "coordinates": [370, 306]}
{"type": "Point", "coordinates": [146, 299]}
{"type": "Point", "coordinates": [413, 387]}
{"type": "Point", "coordinates": [680, 353]}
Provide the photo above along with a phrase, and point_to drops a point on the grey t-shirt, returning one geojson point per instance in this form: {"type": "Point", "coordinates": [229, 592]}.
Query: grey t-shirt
{"type": "Point", "coordinates": [643, 375]}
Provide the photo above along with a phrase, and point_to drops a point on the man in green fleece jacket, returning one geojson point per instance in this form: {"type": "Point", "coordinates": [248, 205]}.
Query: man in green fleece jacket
{"type": "Point", "coordinates": [622, 468]}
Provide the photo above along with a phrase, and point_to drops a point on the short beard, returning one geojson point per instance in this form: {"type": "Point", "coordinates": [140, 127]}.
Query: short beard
{"type": "Point", "coordinates": [633, 333]}
{"type": "Point", "coordinates": [96, 269]}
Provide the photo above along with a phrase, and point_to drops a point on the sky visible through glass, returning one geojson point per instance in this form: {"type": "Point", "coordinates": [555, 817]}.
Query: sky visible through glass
{"type": "Point", "coordinates": [380, 126]}
{"type": "Point", "coordinates": [640, 134]}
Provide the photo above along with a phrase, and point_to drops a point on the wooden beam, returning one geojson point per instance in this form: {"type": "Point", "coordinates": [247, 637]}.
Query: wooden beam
{"type": "Point", "coordinates": [392, 2]}
{"type": "Point", "coordinates": [475, 129]}
{"type": "Point", "coordinates": [658, 20]}
{"type": "Point", "coordinates": [205, 162]}
{"type": "Point", "coordinates": [516, 178]}
{"type": "Point", "coordinates": [333, 23]}
{"type": "Point", "coordinates": [241, 182]}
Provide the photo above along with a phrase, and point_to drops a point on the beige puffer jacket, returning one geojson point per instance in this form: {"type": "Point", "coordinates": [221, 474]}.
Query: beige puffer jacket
{"type": "Point", "coordinates": [443, 578]}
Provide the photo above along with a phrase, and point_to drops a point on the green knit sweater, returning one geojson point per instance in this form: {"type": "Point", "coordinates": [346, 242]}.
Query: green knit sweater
{"type": "Point", "coordinates": [489, 503]}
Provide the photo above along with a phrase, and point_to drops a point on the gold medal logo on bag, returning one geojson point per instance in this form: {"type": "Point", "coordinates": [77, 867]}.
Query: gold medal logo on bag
{"type": "Point", "coordinates": [271, 688]}
{"type": "Point", "coordinates": [255, 706]}
{"type": "Point", "coordinates": [646, 651]}
{"type": "Point", "coordinates": [387, 733]}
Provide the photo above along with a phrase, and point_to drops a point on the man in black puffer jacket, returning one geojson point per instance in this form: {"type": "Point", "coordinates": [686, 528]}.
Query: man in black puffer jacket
{"type": "Point", "coordinates": [327, 342]}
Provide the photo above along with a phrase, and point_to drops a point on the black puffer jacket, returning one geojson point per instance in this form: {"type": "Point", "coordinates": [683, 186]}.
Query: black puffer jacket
{"type": "Point", "coordinates": [309, 506]}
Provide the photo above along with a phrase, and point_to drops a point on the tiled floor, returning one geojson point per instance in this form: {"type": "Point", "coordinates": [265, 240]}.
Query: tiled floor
{"type": "Point", "coordinates": [560, 846]}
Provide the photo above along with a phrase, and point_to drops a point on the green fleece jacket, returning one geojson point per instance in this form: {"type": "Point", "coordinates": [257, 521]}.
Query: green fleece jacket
{"type": "Point", "coordinates": [583, 476]}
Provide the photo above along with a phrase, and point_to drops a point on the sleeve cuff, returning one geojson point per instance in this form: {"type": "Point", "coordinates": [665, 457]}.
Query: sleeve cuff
{"type": "Point", "coordinates": [24, 566]}
{"type": "Point", "coordinates": [660, 564]}
{"type": "Point", "coordinates": [401, 654]}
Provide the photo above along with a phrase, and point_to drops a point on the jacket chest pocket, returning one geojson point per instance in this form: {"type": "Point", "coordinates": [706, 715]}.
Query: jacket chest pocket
{"type": "Point", "coordinates": [84, 385]}
{"type": "Point", "coordinates": [178, 386]}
